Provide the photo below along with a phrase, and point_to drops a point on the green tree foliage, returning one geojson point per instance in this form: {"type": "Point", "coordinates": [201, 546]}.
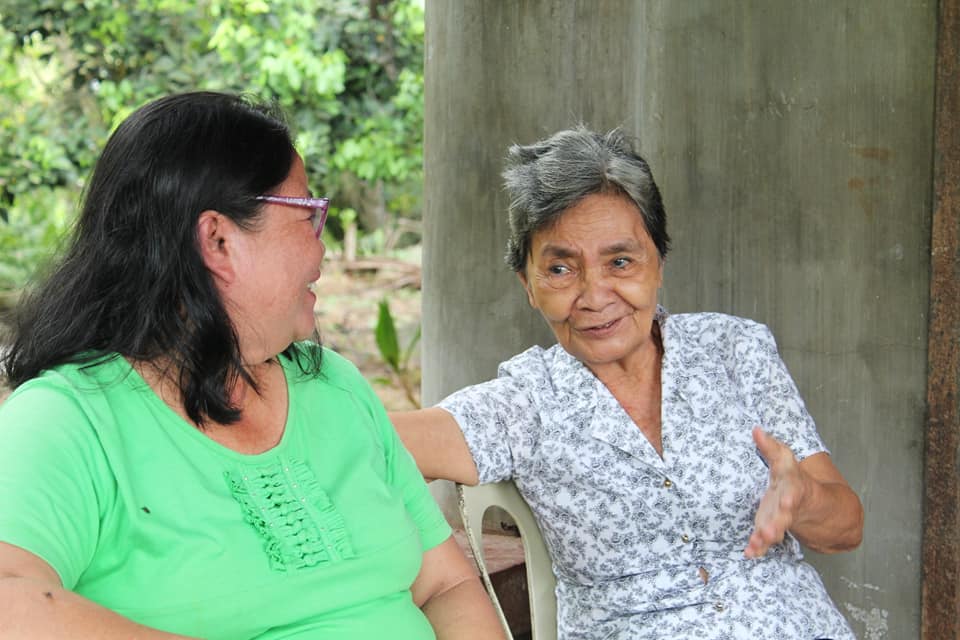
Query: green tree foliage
{"type": "Point", "coordinates": [348, 73]}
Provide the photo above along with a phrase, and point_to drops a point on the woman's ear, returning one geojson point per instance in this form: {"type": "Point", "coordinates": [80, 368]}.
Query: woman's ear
{"type": "Point", "coordinates": [526, 287]}
{"type": "Point", "coordinates": [214, 236]}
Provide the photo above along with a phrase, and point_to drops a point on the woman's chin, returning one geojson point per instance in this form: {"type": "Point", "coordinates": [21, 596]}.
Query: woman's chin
{"type": "Point", "coordinates": [605, 353]}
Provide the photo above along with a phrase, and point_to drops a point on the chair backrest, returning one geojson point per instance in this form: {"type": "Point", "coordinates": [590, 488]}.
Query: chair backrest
{"type": "Point", "coordinates": [541, 583]}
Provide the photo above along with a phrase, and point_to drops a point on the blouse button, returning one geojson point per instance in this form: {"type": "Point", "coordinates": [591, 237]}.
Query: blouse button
{"type": "Point", "coordinates": [718, 606]}
{"type": "Point", "coordinates": [685, 538]}
{"type": "Point", "coordinates": [667, 483]}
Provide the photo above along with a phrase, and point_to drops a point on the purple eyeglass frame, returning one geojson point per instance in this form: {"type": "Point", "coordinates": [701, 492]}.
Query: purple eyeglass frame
{"type": "Point", "coordinates": [317, 204]}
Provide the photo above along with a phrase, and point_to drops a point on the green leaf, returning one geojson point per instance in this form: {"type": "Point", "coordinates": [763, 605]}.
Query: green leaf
{"type": "Point", "coordinates": [410, 347]}
{"type": "Point", "coordinates": [386, 335]}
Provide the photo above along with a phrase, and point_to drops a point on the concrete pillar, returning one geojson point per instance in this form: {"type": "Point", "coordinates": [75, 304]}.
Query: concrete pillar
{"type": "Point", "coordinates": [792, 143]}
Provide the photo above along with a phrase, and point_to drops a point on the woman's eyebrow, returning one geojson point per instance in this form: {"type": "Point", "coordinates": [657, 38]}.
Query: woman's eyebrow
{"type": "Point", "coordinates": [557, 251]}
{"type": "Point", "coordinates": [623, 246]}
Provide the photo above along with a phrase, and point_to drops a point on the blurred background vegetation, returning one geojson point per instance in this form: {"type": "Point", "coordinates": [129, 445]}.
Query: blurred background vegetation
{"type": "Point", "coordinates": [348, 74]}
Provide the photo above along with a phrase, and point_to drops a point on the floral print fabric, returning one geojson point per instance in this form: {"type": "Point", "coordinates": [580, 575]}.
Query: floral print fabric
{"type": "Point", "coordinates": [650, 547]}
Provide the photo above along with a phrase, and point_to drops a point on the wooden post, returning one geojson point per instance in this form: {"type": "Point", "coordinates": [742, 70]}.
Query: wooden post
{"type": "Point", "coordinates": [941, 528]}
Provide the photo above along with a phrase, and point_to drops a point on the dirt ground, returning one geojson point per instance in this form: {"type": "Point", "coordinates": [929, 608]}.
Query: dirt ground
{"type": "Point", "coordinates": [347, 308]}
{"type": "Point", "coordinates": [346, 311]}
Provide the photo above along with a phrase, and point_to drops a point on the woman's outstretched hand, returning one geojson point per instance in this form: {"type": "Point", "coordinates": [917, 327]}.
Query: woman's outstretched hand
{"type": "Point", "coordinates": [780, 506]}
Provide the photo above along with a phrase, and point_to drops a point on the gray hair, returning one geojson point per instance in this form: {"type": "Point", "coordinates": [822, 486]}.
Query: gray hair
{"type": "Point", "coordinates": [546, 178]}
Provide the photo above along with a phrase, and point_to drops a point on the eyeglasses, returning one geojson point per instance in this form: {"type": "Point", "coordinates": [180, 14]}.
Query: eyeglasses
{"type": "Point", "coordinates": [319, 206]}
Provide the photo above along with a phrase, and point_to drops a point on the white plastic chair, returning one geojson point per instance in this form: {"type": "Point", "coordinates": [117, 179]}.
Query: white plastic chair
{"type": "Point", "coordinates": [541, 583]}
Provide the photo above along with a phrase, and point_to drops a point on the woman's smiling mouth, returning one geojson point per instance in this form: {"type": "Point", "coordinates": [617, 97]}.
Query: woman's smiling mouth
{"type": "Point", "coordinates": [600, 330]}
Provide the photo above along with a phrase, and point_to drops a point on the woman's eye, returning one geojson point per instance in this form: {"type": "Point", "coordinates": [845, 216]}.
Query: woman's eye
{"type": "Point", "coordinates": [557, 270]}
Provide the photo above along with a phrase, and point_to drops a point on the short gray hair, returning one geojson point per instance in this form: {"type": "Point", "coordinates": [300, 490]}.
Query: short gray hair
{"type": "Point", "coordinates": [546, 178]}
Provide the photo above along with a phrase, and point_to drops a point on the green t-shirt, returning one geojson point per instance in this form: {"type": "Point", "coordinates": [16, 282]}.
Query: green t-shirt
{"type": "Point", "coordinates": [320, 537]}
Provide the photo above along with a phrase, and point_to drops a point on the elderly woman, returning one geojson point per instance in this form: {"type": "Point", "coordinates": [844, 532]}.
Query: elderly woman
{"type": "Point", "coordinates": [668, 459]}
{"type": "Point", "coordinates": [177, 460]}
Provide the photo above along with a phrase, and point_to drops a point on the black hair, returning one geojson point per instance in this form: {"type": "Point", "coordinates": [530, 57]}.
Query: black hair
{"type": "Point", "coordinates": [131, 281]}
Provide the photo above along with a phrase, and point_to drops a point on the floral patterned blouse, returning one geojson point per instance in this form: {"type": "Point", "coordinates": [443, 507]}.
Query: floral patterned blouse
{"type": "Point", "coordinates": [651, 547]}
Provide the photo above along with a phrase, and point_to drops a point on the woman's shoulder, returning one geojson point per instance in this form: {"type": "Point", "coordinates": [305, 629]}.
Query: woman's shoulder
{"type": "Point", "coordinates": [547, 373]}
{"type": "Point", "coordinates": [68, 406]}
{"type": "Point", "coordinates": [309, 362]}
{"type": "Point", "coordinates": [709, 328]}
{"type": "Point", "coordinates": [717, 339]}
{"type": "Point", "coordinates": [78, 381]}
{"type": "Point", "coordinates": [536, 361]}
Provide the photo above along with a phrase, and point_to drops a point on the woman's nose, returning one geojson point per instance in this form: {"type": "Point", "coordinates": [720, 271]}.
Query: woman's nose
{"type": "Point", "coordinates": [596, 290]}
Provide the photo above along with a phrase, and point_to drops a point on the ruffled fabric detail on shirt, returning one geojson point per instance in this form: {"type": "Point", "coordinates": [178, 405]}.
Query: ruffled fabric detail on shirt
{"type": "Point", "coordinates": [300, 526]}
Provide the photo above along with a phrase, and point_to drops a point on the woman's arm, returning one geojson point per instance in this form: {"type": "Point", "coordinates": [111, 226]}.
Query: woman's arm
{"type": "Point", "coordinates": [810, 499]}
{"type": "Point", "coordinates": [450, 594]}
{"type": "Point", "coordinates": [434, 439]}
{"type": "Point", "coordinates": [34, 605]}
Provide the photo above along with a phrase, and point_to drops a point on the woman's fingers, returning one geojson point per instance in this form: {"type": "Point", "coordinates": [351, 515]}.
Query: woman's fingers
{"type": "Point", "coordinates": [774, 452]}
{"type": "Point", "coordinates": [770, 524]}
{"type": "Point", "coordinates": [777, 509]}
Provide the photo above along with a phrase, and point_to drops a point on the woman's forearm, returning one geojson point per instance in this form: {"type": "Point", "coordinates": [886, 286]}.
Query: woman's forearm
{"type": "Point", "coordinates": [449, 592]}
{"type": "Point", "coordinates": [463, 613]}
{"type": "Point", "coordinates": [33, 609]}
{"type": "Point", "coordinates": [830, 518]}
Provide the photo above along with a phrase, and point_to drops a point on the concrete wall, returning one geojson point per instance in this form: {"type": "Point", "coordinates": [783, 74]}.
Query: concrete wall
{"type": "Point", "coordinates": [792, 144]}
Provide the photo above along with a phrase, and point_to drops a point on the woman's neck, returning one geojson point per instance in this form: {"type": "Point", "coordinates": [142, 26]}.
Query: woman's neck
{"type": "Point", "coordinates": [637, 367]}
{"type": "Point", "coordinates": [635, 384]}
{"type": "Point", "coordinates": [263, 410]}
